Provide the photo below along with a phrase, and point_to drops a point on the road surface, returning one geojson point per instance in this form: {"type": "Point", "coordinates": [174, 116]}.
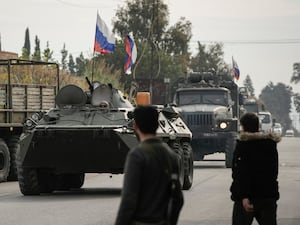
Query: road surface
{"type": "Point", "coordinates": [206, 203]}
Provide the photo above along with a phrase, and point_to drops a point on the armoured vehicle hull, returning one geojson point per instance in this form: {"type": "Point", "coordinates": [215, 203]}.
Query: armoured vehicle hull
{"type": "Point", "coordinates": [89, 133]}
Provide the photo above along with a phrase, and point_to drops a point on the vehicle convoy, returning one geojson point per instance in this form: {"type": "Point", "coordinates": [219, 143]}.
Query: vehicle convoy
{"type": "Point", "coordinates": [18, 100]}
{"type": "Point", "coordinates": [209, 104]}
{"type": "Point", "coordinates": [90, 132]}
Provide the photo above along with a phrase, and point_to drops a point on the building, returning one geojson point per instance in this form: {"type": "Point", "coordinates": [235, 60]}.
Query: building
{"type": "Point", "coordinates": [8, 55]}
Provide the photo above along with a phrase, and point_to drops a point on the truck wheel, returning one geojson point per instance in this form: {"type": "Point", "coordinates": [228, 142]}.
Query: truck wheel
{"type": "Point", "coordinates": [188, 165]}
{"type": "Point", "coordinates": [12, 145]}
{"type": "Point", "coordinates": [4, 161]}
{"type": "Point", "coordinates": [230, 145]}
{"type": "Point", "coordinates": [28, 178]}
{"type": "Point", "coordinates": [178, 150]}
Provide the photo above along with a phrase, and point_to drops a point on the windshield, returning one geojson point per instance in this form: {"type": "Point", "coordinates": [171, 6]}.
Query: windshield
{"type": "Point", "coordinates": [265, 118]}
{"type": "Point", "coordinates": [202, 97]}
{"type": "Point", "coordinates": [251, 107]}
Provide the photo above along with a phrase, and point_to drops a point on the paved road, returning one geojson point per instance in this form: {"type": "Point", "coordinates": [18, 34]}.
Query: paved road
{"type": "Point", "coordinates": [207, 202]}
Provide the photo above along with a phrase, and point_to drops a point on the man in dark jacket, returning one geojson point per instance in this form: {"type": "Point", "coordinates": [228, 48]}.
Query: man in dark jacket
{"type": "Point", "coordinates": [254, 189]}
{"type": "Point", "coordinates": [148, 169]}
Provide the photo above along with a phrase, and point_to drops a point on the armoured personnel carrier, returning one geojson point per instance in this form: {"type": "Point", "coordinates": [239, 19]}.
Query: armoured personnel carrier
{"type": "Point", "coordinates": [209, 104]}
{"type": "Point", "coordinates": [89, 132]}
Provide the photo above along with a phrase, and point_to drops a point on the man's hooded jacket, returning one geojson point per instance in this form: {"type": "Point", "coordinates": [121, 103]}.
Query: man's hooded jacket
{"type": "Point", "coordinates": [255, 167]}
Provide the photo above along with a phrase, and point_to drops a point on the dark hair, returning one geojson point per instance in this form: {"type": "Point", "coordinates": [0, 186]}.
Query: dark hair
{"type": "Point", "coordinates": [146, 118]}
{"type": "Point", "coordinates": [250, 122]}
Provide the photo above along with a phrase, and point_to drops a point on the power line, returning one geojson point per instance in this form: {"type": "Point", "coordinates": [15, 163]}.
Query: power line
{"type": "Point", "coordinates": [251, 42]}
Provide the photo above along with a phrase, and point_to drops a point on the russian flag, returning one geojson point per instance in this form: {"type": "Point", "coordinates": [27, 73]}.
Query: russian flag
{"type": "Point", "coordinates": [236, 70]}
{"type": "Point", "coordinates": [104, 38]}
{"type": "Point", "coordinates": [131, 53]}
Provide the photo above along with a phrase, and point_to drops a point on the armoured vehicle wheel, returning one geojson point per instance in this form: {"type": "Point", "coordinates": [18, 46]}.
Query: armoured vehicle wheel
{"type": "Point", "coordinates": [4, 161]}
{"type": "Point", "coordinates": [68, 181]}
{"type": "Point", "coordinates": [12, 145]}
{"type": "Point", "coordinates": [179, 151]}
{"type": "Point", "coordinates": [28, 178]}
{"type": "Point", "coordinates": [188, 165]}
{"type": "Point", "coordinates": [230, 145]}
{"type": "Point", "coordinates": [28, 181]}
{"type": "Point", "coordinates": [46, 181]}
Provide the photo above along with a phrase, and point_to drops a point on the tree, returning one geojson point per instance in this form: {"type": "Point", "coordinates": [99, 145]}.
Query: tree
{"type": "Point", "coordinates": [47, 53]}
{"type": "Point", "coordinates": [177, 37]}
{"type": "Point", "coordinates": [296, 73]}
{"type": "Point", "coordinates": [297, 102]}
{"type": "Point", "coordinates": [80, 65]}
{"type": "Point", "coordinates": [210, 57]}
{"type": "Point", "coordinates": [162, 52]}
{"type": "Point", "coordinates": [37, 51]}
{"type": "Point", "coordinates": [249, 85]}
{"type": "Point", "coordinates": [71, 64]}
{"type": "Point", "coordinates": [277, 99]}
{"type": "Point", "coordinates": [64, 54]}
{"type": "Point", "coordinates": [26, 47]}
{"type": "Point", "coordinates": [146, 19]}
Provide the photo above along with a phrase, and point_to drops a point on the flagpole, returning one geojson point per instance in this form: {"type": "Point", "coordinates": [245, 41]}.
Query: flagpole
{"type": "Point", "coordinates": [93, 66]}
{"type": "Point", "coordinates": [93, 61]}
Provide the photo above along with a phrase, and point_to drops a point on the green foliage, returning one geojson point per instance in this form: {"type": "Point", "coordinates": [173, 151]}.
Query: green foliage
{"type": "Point", "coordinates": [210, 57]}
{"type": "Point", "coordinates": [277, 99]}
{"type": "Point", "coordinates": [47, 54]}
{"type": "Point", "coordinates": [249, 85]}
{"type": "Point", "coordinates": [116, 60]}
{"type": "Point", "coordinates": [26, 47]}
{"type": "Point", "coordinates": [64, 54]}
{"type": "Point", "coordinates": [80, 65]}
{"type": "Point", "coordinates": [296, 73]}
{"type": "Point", "coordinates": [24, 54]}
{"type": "Point", "coordinates": [37, 51]}
{"type": "Point", "coordinates": [71, 65]}
{"type": "Point", "coordinates": [297, 102]}
{"type": "Point", "coordinates": [177, 37]}
{"type": "Point", "coordinates": [162, 52]}
{"type": "Point", "coordinates": [99, 71]}
{"type": "Point", "coordinates": [146, 19]}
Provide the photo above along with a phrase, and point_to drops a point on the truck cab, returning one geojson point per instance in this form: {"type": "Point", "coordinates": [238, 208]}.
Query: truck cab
{"type": "Point", "coordinates": [209, 105]}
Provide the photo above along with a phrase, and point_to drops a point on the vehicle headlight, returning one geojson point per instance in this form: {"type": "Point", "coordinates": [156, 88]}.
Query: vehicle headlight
{"type": "Point", "coordinates": [37, 116]}
{"type": "Point", "coordinates": [223, 125]}
{"type": "Point", "coordinates": [29, 124]}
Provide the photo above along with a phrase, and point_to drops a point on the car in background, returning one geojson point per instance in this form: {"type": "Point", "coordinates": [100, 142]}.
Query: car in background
{"type": "Point", "coordinates": [277, 129]}
{"type": "Point", "coordinates": [289, 133]}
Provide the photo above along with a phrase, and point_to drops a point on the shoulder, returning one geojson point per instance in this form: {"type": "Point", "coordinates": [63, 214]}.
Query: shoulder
{"type": "Point", "coordinates": [136, 153]}
{"type": "Point", "coordinates": [247, 136]}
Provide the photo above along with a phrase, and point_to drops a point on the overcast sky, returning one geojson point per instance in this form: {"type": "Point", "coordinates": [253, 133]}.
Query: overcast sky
{"type": "Point", "coordinates": [263, 36]}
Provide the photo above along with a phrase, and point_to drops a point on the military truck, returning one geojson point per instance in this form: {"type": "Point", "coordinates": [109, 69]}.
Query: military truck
{"type": "Point", "coordinates": [209, 105]}
{"type": "Point", "coordinates": [19, 100]}
{"type": "Point", "coordinates": [90, 132]}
